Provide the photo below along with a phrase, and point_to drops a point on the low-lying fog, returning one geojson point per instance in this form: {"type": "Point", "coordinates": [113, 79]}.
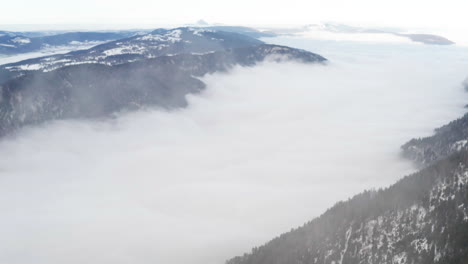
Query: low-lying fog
{"type": "Point", "coordinates": [262, 150]}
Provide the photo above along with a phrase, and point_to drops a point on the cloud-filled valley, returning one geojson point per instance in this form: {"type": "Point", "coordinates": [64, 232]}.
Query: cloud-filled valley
{"type": "Point", "coordinates": [261, 150]}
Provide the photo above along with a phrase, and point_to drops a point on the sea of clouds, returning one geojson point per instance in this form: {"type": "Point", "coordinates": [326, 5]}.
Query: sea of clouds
{"type": "Point", "coordinates": [260, 151]}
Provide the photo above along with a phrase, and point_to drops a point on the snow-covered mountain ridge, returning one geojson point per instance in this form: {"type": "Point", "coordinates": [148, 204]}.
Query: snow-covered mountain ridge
{"type": "Point", "coordinates": [160, 42]}
{"type": "Point", "coordinates": [157, 69]}
{"type": "Point", "coordinates": [12, 43]}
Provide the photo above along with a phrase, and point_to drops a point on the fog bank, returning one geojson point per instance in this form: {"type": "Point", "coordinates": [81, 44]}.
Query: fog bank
{"type": "Point", "coordinates": [262, 150]}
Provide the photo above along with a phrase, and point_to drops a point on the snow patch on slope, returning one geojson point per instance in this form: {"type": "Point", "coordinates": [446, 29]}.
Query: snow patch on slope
{"type": "Point", "coordinates": [21, 40]}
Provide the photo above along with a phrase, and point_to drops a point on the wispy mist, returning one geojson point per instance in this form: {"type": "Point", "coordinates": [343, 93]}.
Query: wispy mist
{"type": "Point", "coordinates": [262, 150]}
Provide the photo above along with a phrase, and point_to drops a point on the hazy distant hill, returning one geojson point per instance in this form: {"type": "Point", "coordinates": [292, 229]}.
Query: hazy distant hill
{"type": "Point", "coordinates": [429, 39]}
{"type": "Point", "coordinates": [251, 32]}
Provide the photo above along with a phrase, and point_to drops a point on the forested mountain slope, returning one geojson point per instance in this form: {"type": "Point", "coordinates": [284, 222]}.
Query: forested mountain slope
{"type": "Point", "coordinates": [447, 139]}
{"type": "Point", "coordinates": [423, 218]}
{"type": "Point", "coordinates": [96, 90]}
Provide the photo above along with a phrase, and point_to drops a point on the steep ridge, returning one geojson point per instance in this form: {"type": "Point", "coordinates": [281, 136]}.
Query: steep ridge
{"type": "Point", "coordinates": [423, 218]}
{"type": "Point", "coordinates": [447, 140]}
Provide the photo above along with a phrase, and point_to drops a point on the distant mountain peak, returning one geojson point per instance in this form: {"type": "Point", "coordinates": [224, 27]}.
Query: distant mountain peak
{"type": "Point", "coordinates": [201, 22]}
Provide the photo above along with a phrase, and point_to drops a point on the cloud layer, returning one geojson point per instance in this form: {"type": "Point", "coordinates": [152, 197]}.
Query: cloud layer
{"type": "Point", "coordinates": [262, 150]}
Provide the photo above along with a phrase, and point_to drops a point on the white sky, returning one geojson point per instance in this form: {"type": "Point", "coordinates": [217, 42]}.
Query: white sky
{"type": "Point", "coordinates": [408, 13]}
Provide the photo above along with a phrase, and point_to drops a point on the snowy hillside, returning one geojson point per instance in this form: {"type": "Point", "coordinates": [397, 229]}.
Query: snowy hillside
{"type": "Point", "coordinates": [423, 218]}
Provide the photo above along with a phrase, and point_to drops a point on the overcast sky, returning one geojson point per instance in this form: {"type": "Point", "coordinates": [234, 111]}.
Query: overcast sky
{"type": "Point", "coordinates": [410, 13]}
